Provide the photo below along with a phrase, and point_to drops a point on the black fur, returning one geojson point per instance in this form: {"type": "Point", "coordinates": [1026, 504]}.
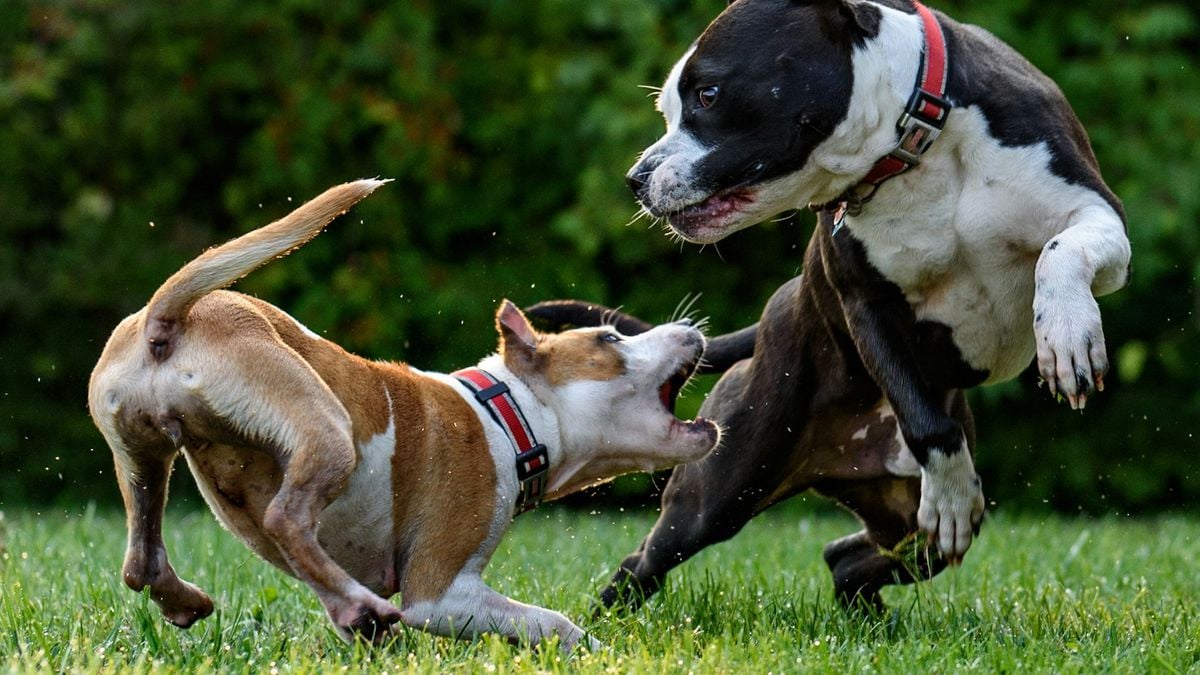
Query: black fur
{"type": "Point", "coordinates": [802, 412]}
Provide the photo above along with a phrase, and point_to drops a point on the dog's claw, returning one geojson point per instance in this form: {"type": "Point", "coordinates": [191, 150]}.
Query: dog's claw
{"type": "Point", "coordinates": [1071, 355]}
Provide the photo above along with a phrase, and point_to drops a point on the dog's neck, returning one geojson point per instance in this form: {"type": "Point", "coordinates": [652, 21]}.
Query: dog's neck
{"type": "Point", "coordinates": [885, 71]}
{"type": "Point", "coordinates": [573, 467]}
{"type": "Point", "coordinates": [563, 476]}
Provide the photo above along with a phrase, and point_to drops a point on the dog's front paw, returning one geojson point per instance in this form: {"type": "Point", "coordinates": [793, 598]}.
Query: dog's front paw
{"type": "Point", "coordinates": [952, 505]}
{"type": "Point", "coordinates": [1070, 345]}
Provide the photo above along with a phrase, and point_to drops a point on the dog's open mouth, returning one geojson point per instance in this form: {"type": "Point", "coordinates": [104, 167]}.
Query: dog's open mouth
{"type": "Point", "coordinates": [712, 211]}
{"type": "Point", "coordinates": [669, 392]}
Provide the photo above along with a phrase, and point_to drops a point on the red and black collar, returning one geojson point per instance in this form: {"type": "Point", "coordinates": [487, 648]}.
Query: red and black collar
{"type": "Point", "coordinates": [922, 121]}
{"type": "Point", "coordinates": [533, 464]}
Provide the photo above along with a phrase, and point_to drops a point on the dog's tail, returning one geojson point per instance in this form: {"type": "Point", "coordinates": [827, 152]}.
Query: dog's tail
{"type": "Point", "coordinates": [219, 267]}
{"type": "Point", "coordinates": [721, 353]}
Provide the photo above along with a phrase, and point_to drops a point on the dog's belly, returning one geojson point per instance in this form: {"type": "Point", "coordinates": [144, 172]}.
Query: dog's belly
{"type": "Point", "coordinates": [238, 483]}
{"type": "Point", "coordinates": [356, 530]}
{"type": "Point", "coordinates": [848, 444]}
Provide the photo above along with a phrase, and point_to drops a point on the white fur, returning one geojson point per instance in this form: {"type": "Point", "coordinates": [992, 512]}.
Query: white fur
{"type": "Point", "coordinates": [903, 463]}
{"type": "Point", "coordinates": [357, 528]}
{"type": "Point", "coordinates": [951, 500]}
{"type": "Point", "coordinates": [592, 430]}
{"type": "Point", "coordinates": [962, 255]}
{"type": "Point", "coordinates": [303, 329]}
{"type": "Point", "coordinates": [471, 607]}
{"type": "Point", "coordinates": [671, 185]}
{"type": "Point", "coordinates": [958, 234]}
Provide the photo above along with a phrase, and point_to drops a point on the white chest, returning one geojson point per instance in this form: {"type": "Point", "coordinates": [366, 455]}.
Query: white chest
{"type": "Point", "coordinates": [963, 246]}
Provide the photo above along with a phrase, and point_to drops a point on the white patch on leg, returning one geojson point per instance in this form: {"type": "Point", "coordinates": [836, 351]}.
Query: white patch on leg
{"type": "Point", "coordinates": [951, 501]}
{"type": "Point", "coordinates": [903, 463]}
{"type": "Point", "coordinates": [1090, 256]}
{"type": "Point", "coordinates": [356, 528]}
{"type": "Point", "coordinates": [470, 607]}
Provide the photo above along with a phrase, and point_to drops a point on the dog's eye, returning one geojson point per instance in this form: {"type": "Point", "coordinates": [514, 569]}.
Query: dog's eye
{"type": "Point", "coordinates": [610, 337]}
{"type": "Point", "coordinates": [707, 95]}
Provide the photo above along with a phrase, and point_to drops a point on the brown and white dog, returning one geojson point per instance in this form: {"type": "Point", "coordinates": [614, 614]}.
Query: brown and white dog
{"type": "Point", "coordinates": [366, 479]}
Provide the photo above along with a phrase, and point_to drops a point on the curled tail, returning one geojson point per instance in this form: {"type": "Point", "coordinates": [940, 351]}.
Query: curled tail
{"type": "Point", "coordinates": [219, 267]}
{"type": "Point", "coordinates": [721, 353]}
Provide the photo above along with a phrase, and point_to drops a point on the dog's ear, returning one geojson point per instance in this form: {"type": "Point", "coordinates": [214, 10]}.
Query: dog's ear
{"type": "Point", "coordinates": [862, 16]}
{"type": "Point", "coordinates": [518, 339]}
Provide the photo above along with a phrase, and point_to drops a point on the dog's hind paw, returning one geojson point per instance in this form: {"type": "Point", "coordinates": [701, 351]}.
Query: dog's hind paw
{"type": "Point", "coordinates": [371, 619]}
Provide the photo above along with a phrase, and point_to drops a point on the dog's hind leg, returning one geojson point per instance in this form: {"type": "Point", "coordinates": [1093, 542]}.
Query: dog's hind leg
{"type": "Point", "coordinates": [145, 442]}
{"type": "Point", "coordinates": [274, 398]}
{"type": "Point", "coordinates": [143, 477]}
{"type": "Point", "coordinates": [889, 550]}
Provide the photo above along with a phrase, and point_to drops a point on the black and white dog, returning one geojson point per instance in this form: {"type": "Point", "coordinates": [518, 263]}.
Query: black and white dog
{"type": "Point", "coordinates": [964, 227]}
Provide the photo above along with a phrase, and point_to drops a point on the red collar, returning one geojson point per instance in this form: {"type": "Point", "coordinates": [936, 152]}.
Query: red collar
{"type": "Point", "coordinates": [533, 464]}
{"type": "Point", "coordinates": [922, 121]}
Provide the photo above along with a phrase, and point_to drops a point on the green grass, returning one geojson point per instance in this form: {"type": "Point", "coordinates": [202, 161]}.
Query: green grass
{"type": "Point", "coordinates": [1035, 595]}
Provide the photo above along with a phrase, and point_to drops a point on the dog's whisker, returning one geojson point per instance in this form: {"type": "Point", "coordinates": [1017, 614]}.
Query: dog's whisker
{"type": "Point", "coordinates": [686, 307]}
{"type": "Point", "coordinates": [638, 215]}
{"type": "Point", "coordinates": [611, 316]}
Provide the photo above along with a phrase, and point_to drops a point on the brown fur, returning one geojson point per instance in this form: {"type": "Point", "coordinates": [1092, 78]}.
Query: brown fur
{"type": "Point", "coordinates": [360, 478]}
{"type": "Point", "coordinates": [578, 356]}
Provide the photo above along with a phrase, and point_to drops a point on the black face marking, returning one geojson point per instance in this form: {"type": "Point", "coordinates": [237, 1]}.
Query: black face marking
{"type": "Point", "coordinates": [784, 77]}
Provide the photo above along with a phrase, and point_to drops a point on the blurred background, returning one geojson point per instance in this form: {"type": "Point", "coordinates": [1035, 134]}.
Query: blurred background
{"type": "Point", "coordinates": [134, 134]}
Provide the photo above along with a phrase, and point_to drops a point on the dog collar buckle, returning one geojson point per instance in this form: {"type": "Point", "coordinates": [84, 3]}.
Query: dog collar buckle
{"type": "Point", "coordinates": [532, 458]}
{"type": "Point", "coordinates": [532, 462]}
{"type": "Point", "coordinates": [920, 124]}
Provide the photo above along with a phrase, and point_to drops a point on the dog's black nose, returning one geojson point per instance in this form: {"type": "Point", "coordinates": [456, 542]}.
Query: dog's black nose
{"type": "Point", "coordinates": [636, 179]}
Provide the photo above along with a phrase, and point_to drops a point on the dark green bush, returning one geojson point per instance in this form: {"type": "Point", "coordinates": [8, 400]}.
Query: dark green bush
{"type": "Point", "coordinates": [135, 134]}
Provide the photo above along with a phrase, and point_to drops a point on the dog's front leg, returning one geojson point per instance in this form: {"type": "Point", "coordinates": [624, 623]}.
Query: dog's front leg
{"type": "Point", "coordinates": [882, 326]}
{"type": "Point", "coordinates": [470, 607]}
{"type": "Point", "coordinates": [1088, 259]}
{"type": "Point", "coordinates": [143, 478]}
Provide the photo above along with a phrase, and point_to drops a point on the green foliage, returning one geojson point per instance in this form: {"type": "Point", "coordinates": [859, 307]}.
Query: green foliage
{"type": "Point", "coordinates": [134, 135]}
{"type": "Point", "coordinates": [1055, 595]}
